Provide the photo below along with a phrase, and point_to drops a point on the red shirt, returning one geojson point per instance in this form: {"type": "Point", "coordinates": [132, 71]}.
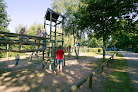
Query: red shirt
{"type": "Point", "coordinates": [59, 54]}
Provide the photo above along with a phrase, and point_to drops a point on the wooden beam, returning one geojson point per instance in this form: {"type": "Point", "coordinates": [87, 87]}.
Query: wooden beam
{"type": "Point", "coordinates": [18, 42]}
{"type": "Point", "coordinates": [23, 51]}
{"type": "Point", "coordinates": [14, 34]}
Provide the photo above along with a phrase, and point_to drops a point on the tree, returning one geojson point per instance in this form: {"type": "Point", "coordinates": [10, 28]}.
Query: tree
{"type": "Point", "coordinates": [33, 29]}
{"type": "Point", "coordinates": [103, 16]}
{"type": "Point", "coordinates": [67, 8]}
{"type": "Point", "coordinates": [93, 41]}
{"type": "Point", "coordinates": [4, 20]}
{"type": "Point", "coordinates": [18, 28]}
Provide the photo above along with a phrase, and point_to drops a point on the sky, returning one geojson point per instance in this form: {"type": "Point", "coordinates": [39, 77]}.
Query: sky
{"type": "Point", "coordinates": [26, 12]}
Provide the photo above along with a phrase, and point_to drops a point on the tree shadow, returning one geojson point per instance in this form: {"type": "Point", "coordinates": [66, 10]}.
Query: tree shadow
{"type": "Point", "coordinates": [29, 76]}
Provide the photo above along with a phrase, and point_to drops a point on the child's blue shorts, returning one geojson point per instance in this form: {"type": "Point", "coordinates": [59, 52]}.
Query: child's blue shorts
{"type": "Point", "coordinates": [60, 61]}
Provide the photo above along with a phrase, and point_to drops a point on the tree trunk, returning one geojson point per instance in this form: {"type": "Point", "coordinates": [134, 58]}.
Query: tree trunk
{"type": "Point", "coordinates": [74, 44]}
{"type": "Point", "coordinates": [104, 46]}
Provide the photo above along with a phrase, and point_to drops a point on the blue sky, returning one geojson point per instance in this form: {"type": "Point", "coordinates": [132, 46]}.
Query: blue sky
{"type": "Point", "coordinates": [26, 12]}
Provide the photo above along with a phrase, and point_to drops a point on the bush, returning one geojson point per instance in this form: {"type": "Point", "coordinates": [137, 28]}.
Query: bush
{"type": "Point", "coordinates": [3, 54]}
{"type": "Point", "coordinates": [91, 49]}
{"type": "Point", "coordinates": [99, 50]}
{"type": "Point", "coordinates": [136, 49]}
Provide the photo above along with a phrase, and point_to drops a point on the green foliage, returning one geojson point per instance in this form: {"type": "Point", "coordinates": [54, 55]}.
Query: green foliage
{"type": "Point", "coordinates": [94, 42]}
{"type": "Point", "coordinates": [4, 20]}
{"type": "Point", "coordinates": [83, 42]}
{"type": "Point", "coordinates": [90, 49]}
{"type": "Point", "coordinates": [3, 55]}
{"type": "Point", "coordinates": [105, 17]}
{"type": "Point", "coordinates": [33, 29]}
{"type": "Point", "coordinates": [136, 49]}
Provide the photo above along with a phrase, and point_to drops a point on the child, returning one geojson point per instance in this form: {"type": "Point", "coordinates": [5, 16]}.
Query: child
{"type": "Point", "coordinates": [39, 35]}
{"type": "Point", "coordinates": [22, 31]}
{"type": "Point", "coordinates": [17, 59]}
{"type": "Point", "coordinates": [60, 56]}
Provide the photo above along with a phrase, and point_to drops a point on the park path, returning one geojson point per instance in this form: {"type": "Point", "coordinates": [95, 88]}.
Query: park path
{"type": "Point", "coordinates": [132, 59]}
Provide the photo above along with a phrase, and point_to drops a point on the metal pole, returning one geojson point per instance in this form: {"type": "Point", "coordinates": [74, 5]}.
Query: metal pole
{"type": "Point", "coordinates": [50, 51]}
{"type": "Point", "coordinates": [62, 30]}
{"type": "Point", "coordinates": [55, 45]}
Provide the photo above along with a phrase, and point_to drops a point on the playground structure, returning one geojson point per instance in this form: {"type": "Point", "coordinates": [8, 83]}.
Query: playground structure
{"type": "Point", "coordinates": [12, 38]}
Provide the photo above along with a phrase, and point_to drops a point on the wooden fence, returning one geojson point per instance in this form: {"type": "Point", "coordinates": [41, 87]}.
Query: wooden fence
{"type": "Point", "coordinates": [89, 77]}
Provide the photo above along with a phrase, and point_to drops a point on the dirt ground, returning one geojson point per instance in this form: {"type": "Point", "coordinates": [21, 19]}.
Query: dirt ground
{"type": "Point", "coordinates": [30, 77]}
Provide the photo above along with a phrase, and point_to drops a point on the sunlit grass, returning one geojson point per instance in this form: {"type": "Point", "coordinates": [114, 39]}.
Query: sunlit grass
{"type": "Point", "coordinates": [119, 81]}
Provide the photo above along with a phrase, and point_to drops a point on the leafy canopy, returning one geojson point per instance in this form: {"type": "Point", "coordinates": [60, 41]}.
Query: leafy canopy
{"type": "Point", "coordinates": [4, 20]}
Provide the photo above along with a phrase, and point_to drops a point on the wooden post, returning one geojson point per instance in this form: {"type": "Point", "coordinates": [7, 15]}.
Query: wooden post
{"type": "Point", "coordinates": [107, 63]}
{"type": "Point", "coordinates": [64, 60]}
{"type": "Point", "coordinates": [7, 51]}
{"type": "Point", "coordinates": [43, 65]}
{"type": "Point", "coordinates": [102, 70]}
{"type": "Point", "coordinates": [90, 81]}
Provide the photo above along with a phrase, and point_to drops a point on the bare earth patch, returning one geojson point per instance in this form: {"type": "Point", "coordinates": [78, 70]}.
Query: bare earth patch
{"type": "Point", "coordinates": [30, 77]}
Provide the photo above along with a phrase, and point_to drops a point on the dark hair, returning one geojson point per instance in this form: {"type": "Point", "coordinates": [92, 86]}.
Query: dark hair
{"type": "Point", "coordinates": [60, 46]}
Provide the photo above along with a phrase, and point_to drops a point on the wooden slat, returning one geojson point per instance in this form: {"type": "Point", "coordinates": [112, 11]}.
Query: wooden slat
{"type": "Point", "coordinates": [23, 51]}
{"type": "Point", "coordinates": [14, 34]}
{"type": "Point", "coordinates": [18, 42]}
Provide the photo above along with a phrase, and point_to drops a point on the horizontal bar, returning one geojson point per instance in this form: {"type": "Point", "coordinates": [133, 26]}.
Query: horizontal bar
{"type": "Point", "coordinates": [15, 34]}
{"type": "Point", "coordinates": [56, 20]}
{"type": "Point", "coordinates": [57, 41]}
{"type": "Point", "coordinates": [77, 85]}
{"type": "Point", "coordinates": [22, 51]}
{"type": "Point", "coordinates": [18, 42]}
{"type": "Point", "coordinates": [49, 25]}
{"type": "Point", "coordinates": [58, 23]}
{"type": "Point", "coordinates": [58, 33]}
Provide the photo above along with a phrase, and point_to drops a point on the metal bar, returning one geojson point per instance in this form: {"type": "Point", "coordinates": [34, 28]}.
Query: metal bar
{"type": "Point", "coordinates": [54, 46]}
{"type": "Point", "coordinates": [62, 30]}
{"type": "Point", "coordinates": [57, 32]}
{"type": "Point", "coordinates": [51, 25]}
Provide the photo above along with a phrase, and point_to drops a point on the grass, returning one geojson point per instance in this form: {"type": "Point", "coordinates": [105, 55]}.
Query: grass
{"type": "Point", "coordinates": [118, 80]}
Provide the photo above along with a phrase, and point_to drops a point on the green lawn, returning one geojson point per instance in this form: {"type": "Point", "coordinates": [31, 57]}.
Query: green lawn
{"type": "Point", "coordinates": [119, 81]}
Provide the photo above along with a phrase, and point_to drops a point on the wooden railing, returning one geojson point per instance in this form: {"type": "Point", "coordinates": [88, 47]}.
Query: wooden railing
{"type": "Point", "coordinates": [89, 77]}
